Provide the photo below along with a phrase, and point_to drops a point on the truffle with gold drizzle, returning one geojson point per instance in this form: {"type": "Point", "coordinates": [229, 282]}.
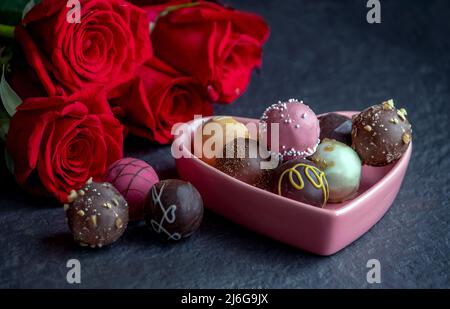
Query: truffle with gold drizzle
{"type": "Point", "coordinates": [303, 181]}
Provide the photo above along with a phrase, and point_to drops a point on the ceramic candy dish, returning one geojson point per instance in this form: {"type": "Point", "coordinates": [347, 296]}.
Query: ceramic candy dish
{"type": "Point", "coordinates": [323, 231]}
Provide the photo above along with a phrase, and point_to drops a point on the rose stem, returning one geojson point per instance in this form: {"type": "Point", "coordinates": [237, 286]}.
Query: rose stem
{"type": "Point", "coordinates": [6, 31]}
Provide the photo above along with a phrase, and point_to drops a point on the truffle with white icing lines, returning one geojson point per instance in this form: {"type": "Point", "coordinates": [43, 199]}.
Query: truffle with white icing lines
{"type": "Point", "coordinates": [97, 214]}
{"type": "Point", "coordinates": [342, 168]}
{"type": "Point", "coordinates": [173, 209]}
{"type": "Point", "coordinates": [298, 126]}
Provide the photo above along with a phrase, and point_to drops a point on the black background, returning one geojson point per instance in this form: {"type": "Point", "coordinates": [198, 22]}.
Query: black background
{"type": "Point", "coordinates": [325, 53]}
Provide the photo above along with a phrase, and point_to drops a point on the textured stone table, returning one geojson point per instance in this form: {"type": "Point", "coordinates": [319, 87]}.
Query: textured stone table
{"type": "Point", "coordinates": [325, 53]}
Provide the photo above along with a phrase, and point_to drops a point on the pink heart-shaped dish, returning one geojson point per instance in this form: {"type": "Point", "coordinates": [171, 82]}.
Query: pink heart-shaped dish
{"type": "Point", "coordinates": [323, 231]}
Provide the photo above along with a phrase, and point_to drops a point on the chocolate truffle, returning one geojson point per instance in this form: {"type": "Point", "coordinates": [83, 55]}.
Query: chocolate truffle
{"type": "Point", "coordinates": [97, 214]}
{"type": "Point", "coordinates": [303, 181]}
{"type": "Point", "coordinates": [342, 168]}
{"type": "Point", "coordinates": [229, 128]}
{"type": "Point", "coordinates": [298, 127]}
{"type": "Point", "coordinates": [337, 127]}
{"type": "Point", "coordinates": [381, 134]}
{"type": "Point", "coordinates": [173, 209]}
{"type": "Point", "coordinates": [133, 178]}
{"type": "Point", "coordinates": [243, 160]}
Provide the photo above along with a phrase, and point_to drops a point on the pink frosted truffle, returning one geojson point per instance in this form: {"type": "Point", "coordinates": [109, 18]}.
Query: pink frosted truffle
{"type": "Point", "coordinates": [298, 128]}
{"type": "Point", "coordinates": [133, 178]}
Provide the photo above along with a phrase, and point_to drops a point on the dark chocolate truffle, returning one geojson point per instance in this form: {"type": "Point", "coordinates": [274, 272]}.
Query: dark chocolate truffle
{"type": "Point", "coordinates": [381, 134]}
{"type": "Point", "coordinates": [97, 214]}
{"type": "Point", "coordinates": [303, 181]}
{"type": "Point", "coordinates": [242, 160]}
{"type": "Point", "coordinates": [337, 127]}
{"type": "Point", "coordinates": [173, 209]}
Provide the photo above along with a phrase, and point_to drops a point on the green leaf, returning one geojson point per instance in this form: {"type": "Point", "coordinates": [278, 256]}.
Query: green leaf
{"type": "Point", "coordinates": [28, 8]}
{"type": "Point", "coordinates": [8, 96]}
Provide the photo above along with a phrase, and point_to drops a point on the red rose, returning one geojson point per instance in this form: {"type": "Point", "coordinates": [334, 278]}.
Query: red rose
{"type": "Point", "coordinates": [158, 98]}
{"type": "Point", "coordinates": [63, 141]}
{"type": "Point", "coordinates": [105, 48]}
{"type": "Point", "coordinates": [217, 45]}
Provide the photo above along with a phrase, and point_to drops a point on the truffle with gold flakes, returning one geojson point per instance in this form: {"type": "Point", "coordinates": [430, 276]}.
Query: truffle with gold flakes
{"type": "Point", "coordinates": [342, 168]}
{"type": "Point", "coordinates": [97, 214]}
{"type": "Point", "coordinates": [381, 134]}
{"type": "Point", "coordinates": [249, 161]}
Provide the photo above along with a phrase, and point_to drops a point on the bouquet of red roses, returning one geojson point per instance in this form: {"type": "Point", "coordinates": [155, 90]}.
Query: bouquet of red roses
{"type": "Point", "coordinates": [85, 73]}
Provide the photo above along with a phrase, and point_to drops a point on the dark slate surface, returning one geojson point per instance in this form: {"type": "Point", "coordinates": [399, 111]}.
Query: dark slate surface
{"type": "Point", "coordinates": [325, 53]}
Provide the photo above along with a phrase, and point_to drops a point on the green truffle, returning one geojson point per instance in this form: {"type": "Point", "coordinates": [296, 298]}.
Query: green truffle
{"type": "Point", "coordinates": [342, 168]}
